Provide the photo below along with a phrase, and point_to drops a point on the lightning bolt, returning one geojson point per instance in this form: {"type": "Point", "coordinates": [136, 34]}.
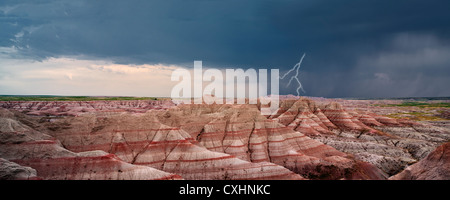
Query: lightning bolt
{"type": "Point", "coordinates": [295, 77]}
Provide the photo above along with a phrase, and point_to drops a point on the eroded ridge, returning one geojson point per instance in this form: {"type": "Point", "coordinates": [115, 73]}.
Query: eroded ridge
{"type": "Point", "coordinates": [133, 140]}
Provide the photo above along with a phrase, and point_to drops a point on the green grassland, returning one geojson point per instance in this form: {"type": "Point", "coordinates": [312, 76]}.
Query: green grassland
{"type": "Point", "coordinates": [427, 111]}
{"type": "Point", "coordinates": [418, 104]}
{"type": "Point", "coordinates": [68, 98]}
{"type": "Point", "coordinates": [419, 116]}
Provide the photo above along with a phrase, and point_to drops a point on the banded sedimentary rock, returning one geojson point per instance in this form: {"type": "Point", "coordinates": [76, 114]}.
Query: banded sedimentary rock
{"type": "Point", "coordinates": [208, 142]}
{"type": "Point", "coordinates": [324, 119]}
{"type": "Point", "coordinates": [27, 147]}
{"type": "Point", "coordinates": [366, 119]}
{"type": "Point", "coordinates": [141, 139]}
{"type": "Point", "coordinates": [298, 114]}
{"type": "Point", "coordinates": [436, 166]}
{"type": "Point", "coordinates": [385, 120]}
{"type": "Point", "coordinates": [339, 117]}
{"type": "Point", "coordinates": [74, 108]}
{"type": "Point", "coordinates": [286, 110]}
{"type": "Point", "coordinates": [303, 139]}
{"type": "Point", "coordinates": [390, 145]}
{"type": "Point", "coordinates": [304, 125]}
{"type": "Point", "coordinates": [241, 130]}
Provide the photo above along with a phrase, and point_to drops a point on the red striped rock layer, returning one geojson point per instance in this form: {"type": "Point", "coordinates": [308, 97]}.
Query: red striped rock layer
{"type": "Point", "coordinates": [305, 123]}
{"type": "Point", "coordinates": [143, 140]}
{"type": "Point", "coordinates": [385, 120]}
{"type": "Point", "coordinates": [207, 142]}
{"type": "Point", "coordinates": [336, 114]}
{"type": "Point", "coordinates": [324, 119]}
{"type": "Point", "coordinates": [304, 116]}
{"type": "Point", "coordinates": [365, 119]}
{"type": "Point", "coordinates": [359, 129]}
{"type": "Point", "coordinates": [353, 121]}
{"type": "Point", "coordinates": [436, 166]}
{"type": "Point", "coordinates": [74, 108]}
{"type": "Point", "coordinates": [44, 155]}
{"type": "Point", "coordinates": [241, 130]}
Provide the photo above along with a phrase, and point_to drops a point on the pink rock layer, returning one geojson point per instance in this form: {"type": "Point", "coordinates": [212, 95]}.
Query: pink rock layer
{"type": "Point", "coordinates": [210, 142]}
{"type": "Point", "coordinates": [299, 116]}
{"type": "Point", "coordinates": [338, 116]}
{"type": "Point", "coordinates": [144, 140]}
{"type": "Point", "coordinates": [188, 141]}
{"type": "Point", "coordinates": [365, 119]}
{"type": "Point", "coordinates": [74, 108]}
{"type": "Point", "coordinates": [436, 166]}
{"type": "Point", "coordinates": [45, 155]}
{"type": "Point", "coordinates": [385, 120]}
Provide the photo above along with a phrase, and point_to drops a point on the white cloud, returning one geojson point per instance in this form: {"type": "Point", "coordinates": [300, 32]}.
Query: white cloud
{"type": "Point", "coordinates": [133, 69]}
{"type": "Point", "coordinates": [71, 76]}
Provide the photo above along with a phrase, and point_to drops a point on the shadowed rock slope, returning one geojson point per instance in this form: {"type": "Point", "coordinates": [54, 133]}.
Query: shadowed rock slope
{"type": "Point", "coordinates": [435, 166]}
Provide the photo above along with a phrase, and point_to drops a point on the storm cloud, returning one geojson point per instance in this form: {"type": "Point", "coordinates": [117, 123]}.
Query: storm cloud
{"type": "Point", "coordinates": [353, 48]}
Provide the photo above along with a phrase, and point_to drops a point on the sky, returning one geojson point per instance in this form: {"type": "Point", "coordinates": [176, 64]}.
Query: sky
{"type": "Point", "coordinates": [354, 48]}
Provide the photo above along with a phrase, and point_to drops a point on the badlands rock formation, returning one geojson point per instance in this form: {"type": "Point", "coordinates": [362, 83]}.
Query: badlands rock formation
{"type": "Point", "coordinates": [241, 131]}
{"type": "Point", "coordinates": [21, 146]}
{"type": "Point", "coordinates": [435, 166]}
{"type": "Point", "coordinates": [161, 140]}
{"type": "Point", "coordinates": [387, 143]}
{"type": "Point", "coordinates": [141, 139]}
{"type": "Point", "coordinates": [74, 108]}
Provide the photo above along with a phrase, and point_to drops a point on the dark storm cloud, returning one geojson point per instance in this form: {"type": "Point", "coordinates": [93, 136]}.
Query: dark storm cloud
{"type": "Point", "coordinates": [355, 48]}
